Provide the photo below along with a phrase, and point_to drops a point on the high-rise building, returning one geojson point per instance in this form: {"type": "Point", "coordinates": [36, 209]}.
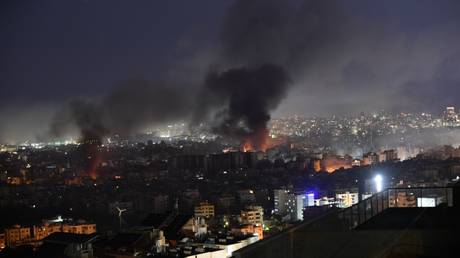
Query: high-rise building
{"type": "Point", "coordinates": [285, 203]}
{"type": "Point", "coordinates": [301, 203]}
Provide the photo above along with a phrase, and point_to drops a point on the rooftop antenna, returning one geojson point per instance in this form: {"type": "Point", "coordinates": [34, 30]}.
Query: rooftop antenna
{"type": "Point", "coordinates": [120, 212]}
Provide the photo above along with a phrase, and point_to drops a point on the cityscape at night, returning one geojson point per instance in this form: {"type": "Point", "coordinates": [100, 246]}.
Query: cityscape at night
{"type": "Point", "coordinates": [229, 128]}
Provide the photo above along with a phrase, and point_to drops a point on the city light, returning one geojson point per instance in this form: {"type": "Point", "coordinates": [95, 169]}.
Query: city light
{"type": "Point", "coordinates": [269, 138]}
{"type": "Point", "coordinates": [378, 182]}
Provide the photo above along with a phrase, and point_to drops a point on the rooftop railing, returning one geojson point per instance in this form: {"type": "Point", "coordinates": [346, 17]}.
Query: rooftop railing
{"type": "Point", "coordinates": [361, 212]}
{"type": "Point", "coordinates": [335, 223]}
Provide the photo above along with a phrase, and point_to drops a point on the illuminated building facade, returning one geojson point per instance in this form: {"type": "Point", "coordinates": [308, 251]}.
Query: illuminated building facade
{"type": "Point", "coordinates": [204, 209]}
{"type": "Point", "coordinates": [285, 203]}
{"type": "Point", "coordinates": [347, 199]}
{"type": "Point", "coordinates": [33, 235]}
{"type": "Point", "coordinates": [17, 235]}
{"type": "Point", "coordinates": [248, 229]}
{"type": "Point", "coordinates": [450, 118]}
{"type": "Point", "coordinates": [253, 215]}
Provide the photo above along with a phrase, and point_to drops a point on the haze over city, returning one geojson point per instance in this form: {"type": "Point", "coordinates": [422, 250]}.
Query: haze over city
{"type": "Point", "coordinates": [339, 58]}
{"type": "Point", "coordinates": [229, 128]}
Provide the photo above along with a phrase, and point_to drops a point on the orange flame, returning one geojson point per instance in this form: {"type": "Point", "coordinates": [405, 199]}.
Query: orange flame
{"type": "Point", "coordinates": [94, 164]}
{"type": "Point", "coordinates": [94, 159]}
{"type": "Point", "coordinates": [257, 141]}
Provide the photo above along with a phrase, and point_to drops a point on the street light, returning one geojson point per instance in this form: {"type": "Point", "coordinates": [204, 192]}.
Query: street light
{"type": "Point", "coordinates": [378, 182]}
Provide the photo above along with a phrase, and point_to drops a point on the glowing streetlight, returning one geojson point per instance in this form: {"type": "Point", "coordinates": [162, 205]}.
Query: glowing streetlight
{"type": "Point", "coordinates": [378, 182]}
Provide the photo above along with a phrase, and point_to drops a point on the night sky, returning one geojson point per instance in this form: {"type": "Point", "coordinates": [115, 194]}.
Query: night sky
{"type": "Point", "coordinates": [341, 56]}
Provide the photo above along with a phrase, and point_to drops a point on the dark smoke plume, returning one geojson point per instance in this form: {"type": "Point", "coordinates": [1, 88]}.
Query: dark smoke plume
{"type": "Point", "coordinates": [249, 94]}
{"type": "Point", "coordinates": [133, 105]}
{"type": "Point", "coordinates": [85, 115]}
{"type": "Point", "coordinates": [261, 43]}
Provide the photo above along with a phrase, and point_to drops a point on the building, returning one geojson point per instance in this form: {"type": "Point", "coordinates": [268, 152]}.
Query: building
{"type": "Point", "coordinates": [82, 228]}
{"type": "Point", "coordinates": [67, 245]}
{"type": "Point", "coordinates": [232, 160]}
{"type": "Point", "coordinates": [371, 228]}
{"type": "Point", "coordinates": [204, 210]}
{"type": "Point", "coordinates": [33, 235]}
{"type": "Point", "coordinates": [450, 118]}
{"type": "Point", "coordinates": [188, 162]}
{"type": "Point", "coordinates": [403, 199]}
{"type": "Point", "coordinates": [370, 158]}
{"type": "Point", "coordinates": [211, 246]}
{"type": "Point", "coordinates": [356, 163]}
{"type": "Point", "coordinates": [302, 201]}
{"type": "Point", "coordinates": [249, 229]}
{"type": "Point", "coordinates": [17, 235]}
{"type": "Point", "coordinates": [347, 199]}
{"type": "Point", "coordinates": [46, 229]}
{"type": "Point", "coordinates": [176, 226]}
{"type": "Point", "coordinates": [285, 204]}
{"type": "Point", "coordinates": [253, 215]}
{"type": "Point", "coordinates": [331, 163]}
{"type": "Point", "coordinates": [195, 226]}
{"type": "Point", "coordinates": [325, 201]}
{"type": "Point", "coordinates": [316, 164]}
{"type": "Point", "coordinates": [388, 155]}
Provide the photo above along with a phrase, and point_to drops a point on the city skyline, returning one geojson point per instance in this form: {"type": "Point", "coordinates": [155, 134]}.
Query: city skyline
{"type": "Point", "coordinates": [229, 128]}
{"type": "Point", "coordinates": [401, 57]}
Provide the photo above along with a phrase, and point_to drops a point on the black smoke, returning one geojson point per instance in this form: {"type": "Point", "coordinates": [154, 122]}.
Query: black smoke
{"type": "Point", "coordinates": [287, 33]}
{"type": "Point", "coordinates": [86, 116]}
{"type": "Point", "coordinates": [133, 105]}
{"type": "Point", "coordinates": [341, 57]}
{"type": "Point", "coordinates": [247, 81]}
{"type": "Point", "coordinates": [260, 42]}
{"type": "Point", "coordinates": [247, 95]}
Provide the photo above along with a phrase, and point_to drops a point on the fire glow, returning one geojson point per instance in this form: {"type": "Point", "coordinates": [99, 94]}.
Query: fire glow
{"type": "Point", "coordinates": [94, 162]}
{"type": "Point", "coordinates": [257, 141]}
{"type": "Point", "coordinates": [94, 158]}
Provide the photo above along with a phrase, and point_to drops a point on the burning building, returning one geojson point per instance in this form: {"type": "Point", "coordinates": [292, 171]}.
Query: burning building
{"type": "Point", "coordinates": [331, 163]}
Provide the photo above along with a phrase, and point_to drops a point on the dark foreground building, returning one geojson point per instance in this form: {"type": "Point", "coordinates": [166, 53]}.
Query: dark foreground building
{"type": "Point", "coordinates": [375, 227]}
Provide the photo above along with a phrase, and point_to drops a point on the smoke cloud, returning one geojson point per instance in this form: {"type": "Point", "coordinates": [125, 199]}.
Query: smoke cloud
{"type": "Point", "coordinates": [264, 44]}
{"type": "Point", "coordinates": [132, 106]}
{"type": "Point", "coordinates": [325, 56]}
{"type": "Point", "coordinates": [248, 95]}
